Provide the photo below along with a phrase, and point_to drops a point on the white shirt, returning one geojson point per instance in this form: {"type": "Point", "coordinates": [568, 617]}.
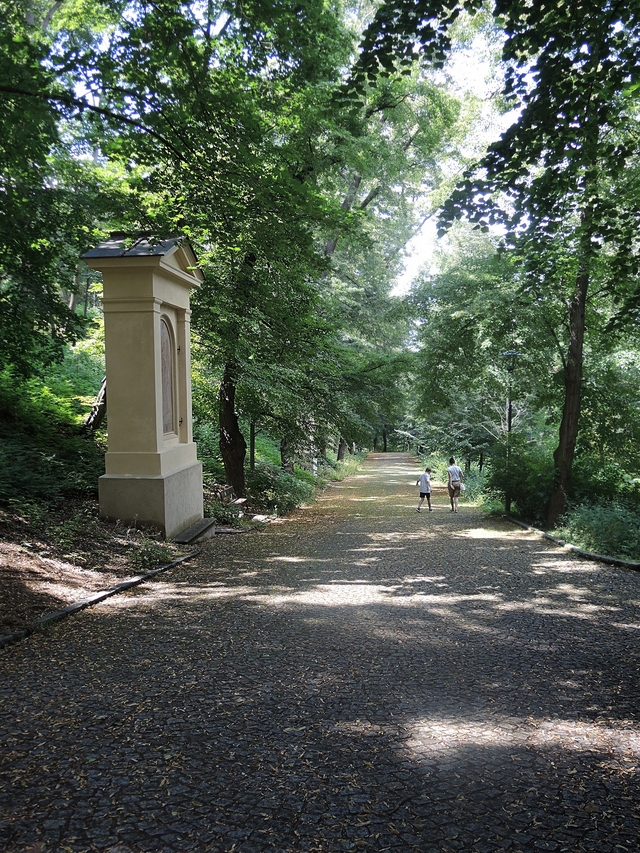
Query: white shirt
{"type": "Point", "coordinates": [456, 472]}
{"type": "Point", "coordinates": [425, 483]}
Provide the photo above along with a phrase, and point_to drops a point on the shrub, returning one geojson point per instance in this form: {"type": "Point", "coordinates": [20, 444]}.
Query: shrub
{"type": "Point", "coordinates": [275, 490]}
{"type": "Point", "coordinates": [474, 482]}
{"type": "Point", "coordinates": [227, 514]}
{"type": "Point", "coordinates": [527, 476]}
{"type": "Point", "coordinates": [150, 555]}
{"type": "Point", "coordinates": [48, 468]}
{"type": "Point", "coordinates": [610, 529]}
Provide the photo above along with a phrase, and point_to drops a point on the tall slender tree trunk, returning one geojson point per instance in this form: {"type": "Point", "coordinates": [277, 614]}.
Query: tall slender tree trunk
{"type": "Point", "coordinates": [342, 446]}
{"type": "Point", "coordinates": [233, 447]}
{"type": "Point", "coordinates": [347, 204]}
{"type": "Point", "coordinates": [252, 446]}
{"type": "Point", "coordinates": [98, 413]}
{"type": "Point", "coordinates": [286, 460]}
{"type": "Point", "coordinates": [565, 451]}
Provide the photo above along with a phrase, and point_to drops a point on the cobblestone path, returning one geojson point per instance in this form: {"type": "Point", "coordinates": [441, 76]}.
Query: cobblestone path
{"type": "Point", "coordinates": [360, 677]}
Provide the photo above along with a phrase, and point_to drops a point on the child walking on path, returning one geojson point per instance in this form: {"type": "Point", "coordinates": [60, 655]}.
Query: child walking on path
{"type": "Point", "coordinates": [424, 481]}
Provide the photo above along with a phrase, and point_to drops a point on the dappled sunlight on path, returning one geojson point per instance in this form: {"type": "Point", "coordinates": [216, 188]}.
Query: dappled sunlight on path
{"type": "Point", "coordinates": [356, 676]}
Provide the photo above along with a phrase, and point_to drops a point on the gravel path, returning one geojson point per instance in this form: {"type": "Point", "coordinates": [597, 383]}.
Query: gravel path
{"type": "Point", "coordinates": [359, 677]}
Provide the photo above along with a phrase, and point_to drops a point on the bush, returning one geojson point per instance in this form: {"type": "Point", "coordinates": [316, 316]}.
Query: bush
{"type": "Point", "coordinates": [528, 477]}
{"type": "Point", "coordinates": [474, 481]}
{"type": "Point", "coordinates": [227, 514]}
{"type": "Point", "coordinates": [150, 555]}
{"type": "Point", "coordinates": [610, 529]}
{"type": "Point", "coordinates": [274, 490]}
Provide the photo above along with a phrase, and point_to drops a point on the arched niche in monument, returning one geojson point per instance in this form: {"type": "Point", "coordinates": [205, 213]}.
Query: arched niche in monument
{"type": "Point", "coordinates": [167, 350]}
{"type": "Point", "coordinates": [152, 474]}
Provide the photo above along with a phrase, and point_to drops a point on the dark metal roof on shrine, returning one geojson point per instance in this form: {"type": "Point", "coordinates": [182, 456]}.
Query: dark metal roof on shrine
{"type": "Point", "coordinates": [118, 246]}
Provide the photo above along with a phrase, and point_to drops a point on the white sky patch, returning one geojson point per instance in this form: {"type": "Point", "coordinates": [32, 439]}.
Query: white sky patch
{"type": "Point", "coordinates": [471, 73]}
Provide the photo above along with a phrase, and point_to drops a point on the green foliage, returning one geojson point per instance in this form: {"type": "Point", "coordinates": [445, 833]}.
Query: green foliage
{"type": "Point", "coordinates": [474, 481]}
{"type": "Point", "coordinates": [277, 491]}
{"type": "Point", "coordinates": [43, 456]}
{"type": "Point", "coordinates": [229, 515]}
{"type": "Point", "coordinates": [206, 437]}
{"type": "Point", "coordinates": [337, 471]}
{"type": "Point", "coordinates": [522, 470]}
{"type": "Point", "coordinates": [605, 528]}
{"type": "Point", "coordinates": [65, 533]}
{"type": "Point", "coordinates": [149, 555]}
{"type": "Point", "coordinates": [267, 450]}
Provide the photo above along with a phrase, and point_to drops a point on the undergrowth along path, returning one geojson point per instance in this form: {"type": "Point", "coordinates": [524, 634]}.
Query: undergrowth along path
{"type": "Point", "coordinates": [359, 676]}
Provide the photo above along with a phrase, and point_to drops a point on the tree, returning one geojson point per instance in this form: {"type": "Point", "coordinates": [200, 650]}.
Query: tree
{"type": "Point", "coordinates": [549, 176]}
{"type": "Point", "coordinates": [56, 199]}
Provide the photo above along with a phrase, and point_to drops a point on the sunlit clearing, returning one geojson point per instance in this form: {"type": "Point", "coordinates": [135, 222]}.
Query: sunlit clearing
{"type": "Point", "coordinates": [565, 567]}
{"type": "Point", "coordinates": [295, 560]}
{"type": "Point", "coordinates": [574, 592]}
{"type": "Point", "coordinates": [445, 736]}
{"type": "Point", "coordinates": [483, 533]}
{"type": "Point", "coordinates": [346, 595]}
{"type": "Point", "coordinates": [426, 579]}
{"type": "Point", "coordinates": [375, 549]}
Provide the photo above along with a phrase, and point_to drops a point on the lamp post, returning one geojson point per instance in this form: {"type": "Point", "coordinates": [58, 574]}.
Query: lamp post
{"type": "Point", "coordinates": [511, 356]}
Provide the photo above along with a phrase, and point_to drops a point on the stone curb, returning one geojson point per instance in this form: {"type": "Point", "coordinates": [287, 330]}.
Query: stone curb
{"type": "Point", "coordinates": [588, 555]}
{"type": "Point", "coordinates": [16, 636]}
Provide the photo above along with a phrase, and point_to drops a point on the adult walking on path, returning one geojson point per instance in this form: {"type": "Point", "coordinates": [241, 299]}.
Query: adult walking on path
{"type": "Point", "coordinates": [454, 483]}
{"type": "Point", "coordinates": [356, 677]}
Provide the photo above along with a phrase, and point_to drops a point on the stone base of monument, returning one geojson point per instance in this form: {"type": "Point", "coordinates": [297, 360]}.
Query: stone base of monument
{"type": "Point", "coordinates": [171, 502]}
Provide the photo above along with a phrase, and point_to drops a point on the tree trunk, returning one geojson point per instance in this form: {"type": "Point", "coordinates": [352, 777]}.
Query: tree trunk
{"type": "Point", "coordinates": [286, 461]}
{"type": "Point", "coordinates": [233, 447]}
{"type": "Point", "coordinates": [98, 412]}
{"type": "Point", "coordinates": [342, 446]}
{"type": "Point", "coordinates": [565, 451]}
{"type": "Point", "coordinates": [347, 204]}
{"type": "Point", "coordinates": [384, 441]}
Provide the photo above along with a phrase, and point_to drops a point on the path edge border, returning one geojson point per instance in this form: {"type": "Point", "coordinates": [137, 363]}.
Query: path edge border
{"type": "Point", "coordinates": [96, 598]}
{"type": "Point", "coordinates": [589, 555]}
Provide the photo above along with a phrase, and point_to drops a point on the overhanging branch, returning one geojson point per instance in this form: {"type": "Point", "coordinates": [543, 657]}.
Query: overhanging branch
{"type": "Point", "coordinates": [81, 105]}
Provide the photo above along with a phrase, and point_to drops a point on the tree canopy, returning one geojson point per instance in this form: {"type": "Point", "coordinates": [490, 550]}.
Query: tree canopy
{"type": "Point", "coordinates": [299, 148]}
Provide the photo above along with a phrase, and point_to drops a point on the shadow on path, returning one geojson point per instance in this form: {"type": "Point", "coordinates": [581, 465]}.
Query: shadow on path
{"type": "Point", "coordinates": [357, 677]}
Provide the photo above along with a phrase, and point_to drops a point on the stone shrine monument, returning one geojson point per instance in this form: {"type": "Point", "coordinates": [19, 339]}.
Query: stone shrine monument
{"type": "Point", "coordinates": [153, 476]}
